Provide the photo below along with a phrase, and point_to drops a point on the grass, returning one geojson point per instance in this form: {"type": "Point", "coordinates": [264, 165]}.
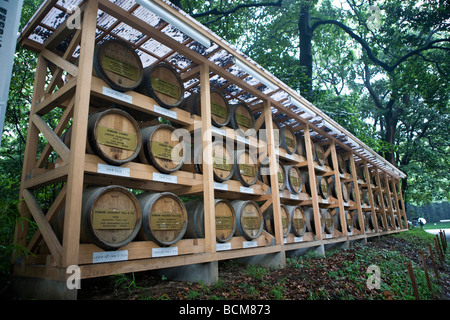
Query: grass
{"type": "Point", "coordinates": [438, 225]}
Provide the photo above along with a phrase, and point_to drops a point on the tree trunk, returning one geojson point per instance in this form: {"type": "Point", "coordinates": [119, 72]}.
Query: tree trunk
{"type": "Point", "coordinates": [305, 35]}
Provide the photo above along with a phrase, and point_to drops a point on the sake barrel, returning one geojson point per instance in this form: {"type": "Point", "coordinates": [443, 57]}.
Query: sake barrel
{"type": "Point", "coordinates": [162, 148]}
{"type": "Point", "coordinates": [225, 219]}
{"type": "Point", "coordinates": [348, 220]}
{"type": "Point", "coordinates": [310, 225]}
{"type": "Point", "coordinates": [245, 167]}
{"type": "Point", "coordinates": [318, 154]}
{"type": "Point", "coordinates": [242, 119]}
{"type": "Point", "coordinates": [355, 217]}
{"type": "Point", "coordinates": [298, 220]}
{"type": "Point", "coordinates": [370, 224]}
{"type": "Point", "coordinates": [164, 218]}
{"type": "Point", "coordinates": [322, 187]}
{"type": "Point", "coordinates": [288, 140]}
{"type": "Point", "coordinates": [110, 217]}
{"type": "Point", "coordinates": [163, 83]}
{"type": "Point", "coordinates": [223, 160]}
{"type": "Point", "coordinates": [220, 109]}
{"type": "Point", "coordinates": [332, 188]}
{"type": "Point", "coordinates": [329, 221]}
{"type": "Point", "coordinates": [341, 163]}
{"type": "Point", "coordinates": [249, 219]}
{"type": "Point", "coordinates": [381, 224]}
{"type": "Point", "coordinates": [301, 149]}
{"type": "Point", "coordinates": [265, 173]}
{"type": "Point", "coordinates": [305, 180]}
{"type": "Point", "coordinates": [114, 136]}
{"type": "Point", "coordinates": [118, 64]}
{"type": "Point", "coordinates": [269, 223]}
{"type": "Point", "coordinates": [293, 179]}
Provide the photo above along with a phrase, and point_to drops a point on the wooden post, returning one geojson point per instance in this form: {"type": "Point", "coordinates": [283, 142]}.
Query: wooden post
{"type": "Point", "coordinates": [72, 217]}
{"type": "Point", "coordinates": [276, 204]}
{"type": "Point", "coordinates": [390, 208]}
{"type": "Point", "coordinates": [371, 200]}
{"type": "Point", "coordinates": [399, 212]}
{"type": "Point", "coordinates": [208, 176]}
{"type": "Point", "coordinates": [337, 179]}
{"type": "Point", "coordinates": [425, 268]}
{"type": "Point", "coordinates": [380, 192]}
{"type": "Point", "coordinates": [21, 231]}
{"type": "Point", "coordinates": [400, 195]}
{"type": "Point", "coordinates": [312, 183]}
{"type": "Point", "coordinates": [413, 280]}
{"type": "Point", "coordinates": [433, 261]}
{"type": "Point", "coordinates": [438, 249]}
{"type": "Point", "coordinates": [357, 194]}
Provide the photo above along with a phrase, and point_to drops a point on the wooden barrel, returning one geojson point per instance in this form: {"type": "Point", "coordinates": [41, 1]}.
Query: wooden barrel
{"type": "Point", "coordinates": [298, 220]}
{"type": "Point", "coordinates": [329, 220]}
{"type": "Point", "coordinates": [269, 223]}
{"type": "Point", "coordinates": [322, 187]}
{"type": "Point", "coordinates": [293, 179]}
{"type": "Point", "coordinates": [220, 109]}
{"type": "Point", "coordinates": [365, 196]}
{"type": "Point", "coordinates": [265, 173]}
{"type": "Point", "coordinates": [110, 217]}
{"type": "Point", "coordinates": [341, 163]}
{"type": "Point", "coordinates": [332, 188]}
{"type": "Point", "coordinates": [224, 216]}
{"type": "Point", "coordinates": [301, 149]}
{"type": "Point", "coordinates": [319, 154]}
{"type": "Point", "coordinates": [246, 167]}
{"type": "Point", "coordinates": [164, 218]}
{"type": "Point", "coordinates": [288, 140]}
{"type": "Point", "coordinates": [223, 160]}
{"type": "Point", "coordinates": [370, 224]}
{"type": "Point", "coordinates": [249, 220]}
{"type": "Point", "coordinates": [162, 148]}
{"type": "Point", "coordinates": [310, 225]}
{"type": "Point", "coordinates": [242, 119]}
{"type": "Point", "coordinates": [118, 64]}
{"type": "Point", "coordinates": [163, 83]}
{"type": "Point", "coordinates": [114, 136]}
{"type": "Point", "coordinates": [348, 220]}
{"type": "Point", "coordinates": [380, 221]}
{"type": "Point", "coordinates": [305, 180]}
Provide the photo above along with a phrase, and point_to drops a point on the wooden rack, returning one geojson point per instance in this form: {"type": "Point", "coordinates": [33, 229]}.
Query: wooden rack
{"type": "Point", "coordinates": [70, 101]}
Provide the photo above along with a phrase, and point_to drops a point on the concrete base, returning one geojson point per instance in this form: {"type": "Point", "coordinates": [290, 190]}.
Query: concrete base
{"type": "Point", "coordinates": [206, 273]}
{"type": "Point", "coordinates": [269, 260]}
{"type": "Point", "coordinates": [26, 288]}
{"type": "Point", "coordinates": [317, 250]}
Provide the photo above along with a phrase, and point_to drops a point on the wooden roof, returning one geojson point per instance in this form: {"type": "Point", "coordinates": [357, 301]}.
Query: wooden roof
{"type": "Point", "coordinates": [155, 40]}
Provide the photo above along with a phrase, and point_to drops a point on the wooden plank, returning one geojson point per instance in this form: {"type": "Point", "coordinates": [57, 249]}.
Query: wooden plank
{"type": "Point", "coordinates": [45, 178]}
{"type": "Point", "coordinates": [390, 207]}
{"type": "Point", "coordinates": [50, 216]}
{"type": "Point", "coordinates": [400, 194]}
{"type": "Point", "coordinates": [62, 123]}
{"type": "Point", "coordinates": [337, 179]}
{"type": "Point", "coordinates": [52, 137]}
{"type": "Point", "coordinates": [47, 233]}
{"type": "Point", "coordinates": [71, 238]}
{"type": "Point", "coordinates": [207, 165]}
{"type": "Point", "coordinates": [313, 183]}
{"type": "Point", "coordinates": [63, 94]}
{"type": "Point", "coordinates": [380, 192]}
{"type": "Point", "coordinates": [60, 62]}
{"type": "Point", "coordinates": [273, 169]}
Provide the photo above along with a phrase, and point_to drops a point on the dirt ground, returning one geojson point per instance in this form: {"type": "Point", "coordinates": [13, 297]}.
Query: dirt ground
{"type": "Point", "coordinates": [327, 278]}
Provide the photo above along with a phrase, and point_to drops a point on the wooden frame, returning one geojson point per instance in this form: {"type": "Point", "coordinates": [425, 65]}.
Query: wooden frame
{"type": "Point", "coordinates": [74, 168]}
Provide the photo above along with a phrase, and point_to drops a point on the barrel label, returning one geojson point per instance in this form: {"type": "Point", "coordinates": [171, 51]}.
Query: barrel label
{"type": "Point", "coordinates": [116, 138]}
{"type": "Point", "coordinates": [166, 221]}
{"type": "Point", "coordinates": [164, 151]}
{"type": "Point", "coordinates": [250, 222]}
{"type": "Point", "coordinates": [289, 142]}
{"type": "Point", "coordinates": [247, 170]}
{"type": "Point", "coordinates": [243, 120]}
{"type": "Point", "coordinates": [224, 222]}
{"type": "Point", "coordinates": [166, 88]}
{"type": "Point", "coordinates": [280, 177]}
{"type": "Point", "coordinates": [295, 181]}
{"type": "Point", "coordinates": [112, 219]}
{"type": "Point", "coordinates": [119, 67]}
{"type": "Point", "coordinates": [299, 223]}
{"type": "Point", "coordinates": [218, 110]}
{"type": "Point", "coordinates": [221, 163]}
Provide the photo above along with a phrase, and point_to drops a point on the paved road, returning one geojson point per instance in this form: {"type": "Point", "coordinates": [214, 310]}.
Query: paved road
{"type": "Point", "coordinates": [436, 231]}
